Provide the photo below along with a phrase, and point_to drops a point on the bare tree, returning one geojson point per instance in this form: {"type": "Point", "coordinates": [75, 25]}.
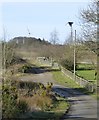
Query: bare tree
{"type": "Point", "coordinates": [68, 40]}
{"type": "Point", "coordinates": [54, 37]}
{"type": "Point", "coordinates": [89, 19]}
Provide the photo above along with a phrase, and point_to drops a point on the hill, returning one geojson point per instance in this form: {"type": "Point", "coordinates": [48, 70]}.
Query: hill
{"type": "Point", "coordinates": [33, 47]}
{"type": "Point", "coordinates": [28, 41]}
{"type": "Point", "coordinates": [30, 47]}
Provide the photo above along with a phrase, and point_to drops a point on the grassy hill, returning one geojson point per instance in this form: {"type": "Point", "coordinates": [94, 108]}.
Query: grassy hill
{"type": "Point", "coordinates": [31, 47]}
{"type": "Point", "coordinates": [28, 41]}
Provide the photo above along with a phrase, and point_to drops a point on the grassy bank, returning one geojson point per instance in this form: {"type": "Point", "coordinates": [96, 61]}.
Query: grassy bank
{"type": "Point", "coordinates": [86, 71]}
{"type": "Point", "coordinates": [86, 74]}
{"type": "Point", "coordinates": [64, 80]}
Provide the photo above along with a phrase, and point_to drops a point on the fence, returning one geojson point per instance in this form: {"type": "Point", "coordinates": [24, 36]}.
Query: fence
{"type": "Point", "coordinates": [91, 87]}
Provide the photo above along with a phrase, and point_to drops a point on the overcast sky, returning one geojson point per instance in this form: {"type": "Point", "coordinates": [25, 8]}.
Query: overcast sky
{"type": "Point", "coordinates": [40, 18]}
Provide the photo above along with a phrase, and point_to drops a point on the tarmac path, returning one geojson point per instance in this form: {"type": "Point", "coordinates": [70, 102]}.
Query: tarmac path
{"type": "Point", "coordinates": [82, 106]}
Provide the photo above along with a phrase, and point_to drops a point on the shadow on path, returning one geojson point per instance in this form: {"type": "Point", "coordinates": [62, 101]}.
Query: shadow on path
{"type": "Point", "coordinates": [67, 92]}
{"type": "Point", "coordinates": [78, 118]}
{"type": "Point", "coordinates": [39, 70]}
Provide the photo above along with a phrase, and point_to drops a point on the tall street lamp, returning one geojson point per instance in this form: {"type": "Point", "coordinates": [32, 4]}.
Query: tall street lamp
{"type": "Point", "coordinates": [70, 24]}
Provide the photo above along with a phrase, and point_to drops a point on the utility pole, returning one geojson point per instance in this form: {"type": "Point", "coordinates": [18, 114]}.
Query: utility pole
{"type": "Point", "coordinates": [97, 22]}
{"type": "Point", "coordinates": [75, 55]}
{"type": "Point", "coordinates": [97, 78]}
{"type": "Point", "coordinates": [70, 24]}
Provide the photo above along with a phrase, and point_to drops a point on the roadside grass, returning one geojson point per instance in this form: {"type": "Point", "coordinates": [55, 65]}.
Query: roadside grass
{"type": "Point", "coordinates": [64, 80]}
{"type": "Point", "coordinates": [67, 82]}
{"type": "Point", "coordinates": [62, 106]}
{"type": "Point", "coordinates": [44, 106]}
{"type": "Point", "coordinates": [54, 113]}
{"type": "Point", "coordinates": [86, 74]}
{"type": "Point", "coordinates": [86, 71]}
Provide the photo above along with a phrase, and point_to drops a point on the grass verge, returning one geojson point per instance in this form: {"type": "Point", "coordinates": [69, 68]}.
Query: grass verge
{"type": "Point", "coordinates": [55, 113]}
{"type": "Point", "coordinates": [64, 80]}
{"type": "Point", "coordinates": [67, 82]}
{"type": "Point", "coordinates": [86, 74]}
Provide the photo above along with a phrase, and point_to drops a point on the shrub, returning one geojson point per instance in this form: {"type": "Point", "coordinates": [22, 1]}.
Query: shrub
{"type": "Point", "coordinates": [22, 106]}
{"type": "Point", "coordinates": [30, 85]}
{"type": "Point", "coordinates": [9, 56]}
{"type": "Point", "coordinates": [11, 108]}
{"type": "Point", "coordinates": [68, 64]}
{"type": "Point", "coordinates": [49, 87]}
{"type": "Point", "coordinates": [25, 68]}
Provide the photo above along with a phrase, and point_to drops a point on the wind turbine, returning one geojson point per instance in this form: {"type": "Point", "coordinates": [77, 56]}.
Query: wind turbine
{"type": "Point", "coordinates": [28, 31]}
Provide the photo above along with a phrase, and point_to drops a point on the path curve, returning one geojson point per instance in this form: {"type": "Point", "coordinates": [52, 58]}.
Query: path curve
{"type": "Point", "coordinates": [82, 106]}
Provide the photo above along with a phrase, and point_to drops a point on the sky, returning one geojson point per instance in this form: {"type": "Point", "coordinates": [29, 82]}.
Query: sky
{"type": "Point", "coordinates": [40, 18]}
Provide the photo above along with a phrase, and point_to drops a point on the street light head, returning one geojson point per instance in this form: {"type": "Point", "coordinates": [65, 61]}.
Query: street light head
{"type": "Point", "coordinates": [70, 23]}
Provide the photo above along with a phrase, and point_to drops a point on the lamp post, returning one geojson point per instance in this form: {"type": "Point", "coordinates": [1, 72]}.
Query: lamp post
{"type": "Point", "coordinates": [70, 24]}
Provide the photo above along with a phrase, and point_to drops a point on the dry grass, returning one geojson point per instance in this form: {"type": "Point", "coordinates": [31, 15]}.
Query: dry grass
{"type": "Point", "coordinates": [37, 102]}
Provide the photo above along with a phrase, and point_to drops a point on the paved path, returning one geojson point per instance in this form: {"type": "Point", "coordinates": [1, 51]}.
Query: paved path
{"type": "Point", "coordinates": [82, 106]}
{"type": "Point", "coordinates": [42, 78]}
